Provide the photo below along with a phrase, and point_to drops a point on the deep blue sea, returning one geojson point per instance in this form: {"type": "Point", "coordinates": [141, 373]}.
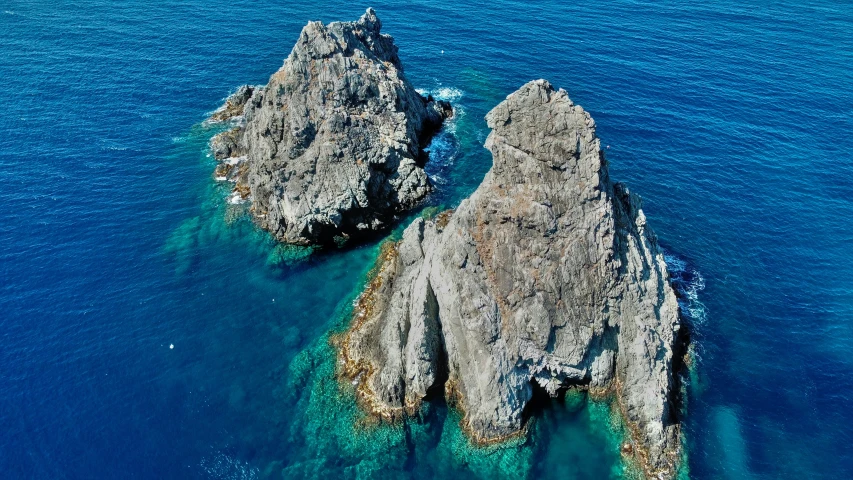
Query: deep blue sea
{"type": "Point", "coordinates": [149, 331]}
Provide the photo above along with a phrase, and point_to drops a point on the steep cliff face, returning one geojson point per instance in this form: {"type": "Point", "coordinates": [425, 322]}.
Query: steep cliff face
{"type": "Point", "coordinates": [333, 144]}
{"type": "Point", "coordinates": [548, 273]}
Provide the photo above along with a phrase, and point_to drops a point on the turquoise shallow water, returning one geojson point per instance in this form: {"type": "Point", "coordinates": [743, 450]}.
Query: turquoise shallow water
{"type": "Point", "coordinates": [732, 120]}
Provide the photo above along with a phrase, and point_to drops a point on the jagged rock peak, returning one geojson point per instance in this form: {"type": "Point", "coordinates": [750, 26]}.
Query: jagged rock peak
{"type": "Point", "coordinates": [333, 145]}
{"type": "Point", "coordinates": [547, 276]}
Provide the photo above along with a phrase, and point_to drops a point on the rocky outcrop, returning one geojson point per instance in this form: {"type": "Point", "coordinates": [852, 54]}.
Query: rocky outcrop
{"type": "Point", "coordinates": [234, 104]}
{"type": "Point", "coordinates": [546, 277]}
{"type": "Point", "coordinates": [333, 144]}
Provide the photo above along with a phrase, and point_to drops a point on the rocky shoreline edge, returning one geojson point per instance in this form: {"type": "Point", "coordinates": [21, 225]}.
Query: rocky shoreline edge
{"type": "Point", "coordinates": [333, 146]}
{"type": "Point", "coordinates": [546, 277]}
{"type": "Point", "coordinates": [357, 373]}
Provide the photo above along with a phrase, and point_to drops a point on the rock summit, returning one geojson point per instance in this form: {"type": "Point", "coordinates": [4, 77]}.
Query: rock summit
{"type": "Point", "coordinates": [547, 277]}
{"type": "Point", "coordinates": [333, 145]}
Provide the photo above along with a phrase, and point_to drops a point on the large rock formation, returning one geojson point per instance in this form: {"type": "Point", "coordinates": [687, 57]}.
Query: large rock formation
{"type": "Point", "coordinates": [548, 273]}
{"type": "Point", "coordinates": [333, 144]}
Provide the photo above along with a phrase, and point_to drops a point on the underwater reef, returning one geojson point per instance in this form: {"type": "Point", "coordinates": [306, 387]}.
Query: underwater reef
{"type": "Point", "coordinates": [545, 280]}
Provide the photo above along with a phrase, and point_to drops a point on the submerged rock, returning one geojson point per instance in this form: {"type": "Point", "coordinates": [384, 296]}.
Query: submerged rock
{"type": "Point", "coordinates": [334, 142]}
{"type": "Point", "coordinates": [547, 274]}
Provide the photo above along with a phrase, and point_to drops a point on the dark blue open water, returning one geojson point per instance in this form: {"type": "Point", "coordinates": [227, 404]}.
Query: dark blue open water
{"type": "Point", "coordinates": [732, 119]}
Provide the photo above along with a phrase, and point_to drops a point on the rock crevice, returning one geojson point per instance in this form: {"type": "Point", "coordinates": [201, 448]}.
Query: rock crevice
{"type": "Point", "coordinates": [547, 273]}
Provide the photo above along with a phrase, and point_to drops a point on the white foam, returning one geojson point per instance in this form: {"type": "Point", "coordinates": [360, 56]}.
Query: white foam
{"type": "Point", "coordinates": [448, 94]}
{"type": "Point", "coordinates": [674, 264]}
{"type": "Point", "coordinates": [209, 121]}
{"type": "Point", "coordinates": [450, 124]}
{"type": "Point", "coordinates": [236, 199]}
{"type": "Point", "coordinates": [689, 282]}
{"type": "Point", "coordinates": [438, 180]}
{"type": "Point", "coordinates": [234, 160]}
{"type": "Point", "coordinates": [443, 149]}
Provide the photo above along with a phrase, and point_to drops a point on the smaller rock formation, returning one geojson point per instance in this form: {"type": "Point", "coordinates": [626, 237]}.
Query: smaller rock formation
{"type": "Point", "coordinates": [334, 144]}
{"type": "Point", "coordinates": [234, 104]}
{"type": "Point", "coordinates": [548, 275]}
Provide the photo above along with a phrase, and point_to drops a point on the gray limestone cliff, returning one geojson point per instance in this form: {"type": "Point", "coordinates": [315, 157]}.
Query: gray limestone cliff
{"type": "Point", "coordinates": [333, 144]}
{"type": "Point", "coordinates": [547, 274]}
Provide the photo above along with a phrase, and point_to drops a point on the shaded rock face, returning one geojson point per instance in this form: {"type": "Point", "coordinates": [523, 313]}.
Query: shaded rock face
{"type": "Point", "coordinates": [333, 143]}
{"type": "Point", "coordinates": [548, 273]}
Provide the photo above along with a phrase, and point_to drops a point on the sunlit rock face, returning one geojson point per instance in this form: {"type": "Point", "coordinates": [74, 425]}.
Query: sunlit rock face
{"type": "Point", "coordinates": [547, 274]}
{"type": "Point", "coordinates": [333, 144]}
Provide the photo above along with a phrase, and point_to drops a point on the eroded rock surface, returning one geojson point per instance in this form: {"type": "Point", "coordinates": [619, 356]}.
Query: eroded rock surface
{"type": "Point", "coordinates": [548, 273]}
{"type": "Point", "coordinates": [333, 144]}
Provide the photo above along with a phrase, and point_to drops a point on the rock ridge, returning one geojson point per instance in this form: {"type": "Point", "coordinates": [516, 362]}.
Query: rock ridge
{"type": "Point", "coordinates": [333, 145]}
{"type": "Point", "coordinates": [546, 274]}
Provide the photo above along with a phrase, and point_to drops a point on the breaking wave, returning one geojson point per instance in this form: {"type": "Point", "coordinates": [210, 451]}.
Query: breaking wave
{"type": "Point", "coordinates": [445, 148]}
{"type": "Point", "coordinates": [688, 283]}
{"type": "Point", "coordinates": [448, 94]}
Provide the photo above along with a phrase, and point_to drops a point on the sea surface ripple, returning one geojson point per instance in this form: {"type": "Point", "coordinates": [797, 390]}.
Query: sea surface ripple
{"type": "Point", "coordinates": [150, 331]}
